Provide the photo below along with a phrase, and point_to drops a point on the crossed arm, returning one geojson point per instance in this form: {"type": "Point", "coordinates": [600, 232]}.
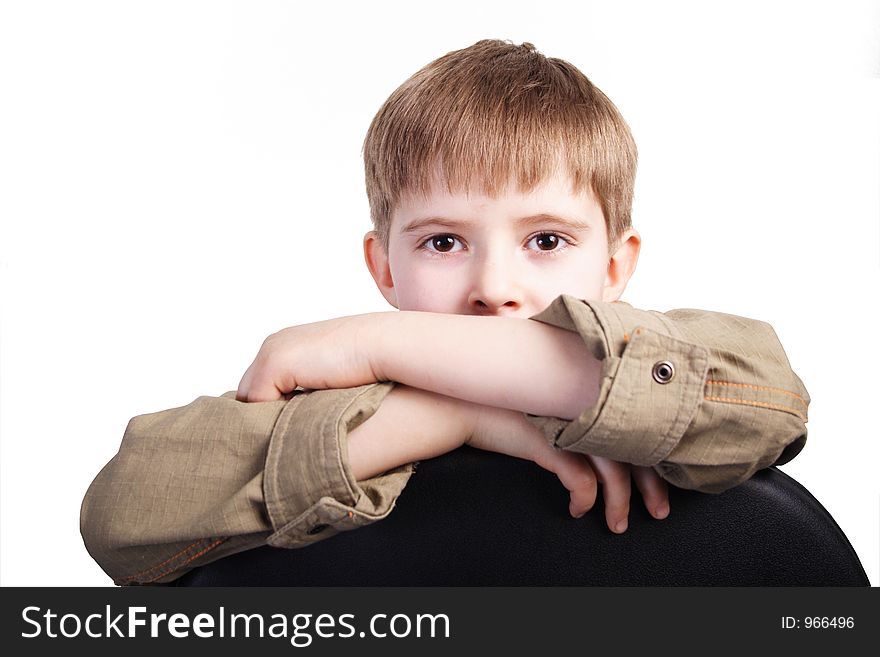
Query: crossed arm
{"type": "Point", "coordinates": [466, 380]}
{"type": "Point", "coordinates": [273, 472]}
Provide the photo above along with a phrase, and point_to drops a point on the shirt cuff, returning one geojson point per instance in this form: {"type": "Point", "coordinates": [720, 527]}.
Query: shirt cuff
{"type": "Point", "coordinates": [642, 411]}
{"type": "Point", "coordinates": [705, 398]}
{"type": "Point", "coordinates": [309, 489]}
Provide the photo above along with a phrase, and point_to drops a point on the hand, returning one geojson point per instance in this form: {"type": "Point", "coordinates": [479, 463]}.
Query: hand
{"type": "Point", "coordinates": [580, 474]}
{"type": "Point", "coordinates": [321, 355]}
{"type": "Point", "coordinates": [511, 433]}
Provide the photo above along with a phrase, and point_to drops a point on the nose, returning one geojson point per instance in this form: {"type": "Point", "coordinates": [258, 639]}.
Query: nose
{"type": "Point", "coordinates": [494, 288]}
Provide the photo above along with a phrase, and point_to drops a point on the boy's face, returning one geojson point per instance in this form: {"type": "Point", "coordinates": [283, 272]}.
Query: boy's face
{"type": "Point", "coordinates": [510, 255]}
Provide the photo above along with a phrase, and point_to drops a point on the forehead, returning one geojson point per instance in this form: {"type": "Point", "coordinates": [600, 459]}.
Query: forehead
{"type": "Point", "coordinates": [555, 195]}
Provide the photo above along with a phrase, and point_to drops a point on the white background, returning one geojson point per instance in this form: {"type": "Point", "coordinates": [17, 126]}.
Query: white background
{"type": "Point", "coordinates": [180, 179]}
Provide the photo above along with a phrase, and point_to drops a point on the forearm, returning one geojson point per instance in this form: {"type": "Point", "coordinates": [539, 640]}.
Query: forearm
{"type": "Point", "coordinates": [409, 425]}
{"type": "Point", "coordinates": [413, 425]}
{"type": "Point", "coordinates": [508, 363]}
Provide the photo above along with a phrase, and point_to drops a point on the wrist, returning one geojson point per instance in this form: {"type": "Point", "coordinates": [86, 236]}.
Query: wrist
{"type": "Point", "coordinates": [372, 342]}
{"type": "Point", "coordinates": [504, 431]}
{"type": "Point", "coordinates": [409, 425]}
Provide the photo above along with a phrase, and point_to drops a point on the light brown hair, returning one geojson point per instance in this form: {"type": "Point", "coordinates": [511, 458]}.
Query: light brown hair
{"type": "Point", "coordinates": [493, 113]}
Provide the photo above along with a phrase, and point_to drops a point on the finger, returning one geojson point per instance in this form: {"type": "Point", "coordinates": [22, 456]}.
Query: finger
{"type": "Point", "coordinates": [615, 480]}
{"type": "Point", "coordinates": [255, 386]}
{"type": "Point", "coordinates": [582, 483]}
{"type": "Point", "coordinates": [655, 491]}
{"type": "Point", "coordinates": [576, 474]}
{"type": "Point", "coordinates": [244, 385]}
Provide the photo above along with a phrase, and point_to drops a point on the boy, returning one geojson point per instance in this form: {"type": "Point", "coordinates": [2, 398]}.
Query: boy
{"type": "Point", "coordinates": [500, 186]}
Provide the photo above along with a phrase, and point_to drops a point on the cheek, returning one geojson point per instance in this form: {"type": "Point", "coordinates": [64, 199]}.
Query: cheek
{"type": "Point", "coordinates": [578, 279]}
{"type": "Point", "coordinates": [429, 289]}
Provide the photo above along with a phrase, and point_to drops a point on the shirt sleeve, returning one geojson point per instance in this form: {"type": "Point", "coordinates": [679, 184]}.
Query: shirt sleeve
{"type": "Point", "coordinates": [193, 484]}
{"type": "Point", "coordinates": [705, 398]}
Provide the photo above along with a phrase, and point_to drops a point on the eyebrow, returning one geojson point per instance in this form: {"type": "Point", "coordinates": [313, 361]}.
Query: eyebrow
{"type": "Point", "coordinates": [531, 220]}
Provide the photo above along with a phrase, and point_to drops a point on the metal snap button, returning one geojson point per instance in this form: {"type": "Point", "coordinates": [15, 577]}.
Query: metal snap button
{"type": "Point", "coordinates": [317, 529]}
{"type": "Point", "coordinates": [663, 371]}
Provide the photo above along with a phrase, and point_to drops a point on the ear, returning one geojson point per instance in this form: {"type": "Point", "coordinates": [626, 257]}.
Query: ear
{"type": "Point", "coordinates": [622, 265]}
{"type": "Point", "coordinates": [377, 262]}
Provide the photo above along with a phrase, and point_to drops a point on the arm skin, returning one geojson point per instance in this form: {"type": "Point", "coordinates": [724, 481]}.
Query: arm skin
{"type": "Point", "coordinates": [502, 362]}
{"type": "Point", "coordinates": [508, 363]}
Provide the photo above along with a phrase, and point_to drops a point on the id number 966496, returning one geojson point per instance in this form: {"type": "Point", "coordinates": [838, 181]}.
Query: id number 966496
{"type": "Point", "coordinates": [818, 622]}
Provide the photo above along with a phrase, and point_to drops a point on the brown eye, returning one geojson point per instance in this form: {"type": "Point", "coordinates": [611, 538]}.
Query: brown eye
{"type": "Point", "coordinates": [443, 243]}
{"type": "Point", "coordinates": [547, 241]}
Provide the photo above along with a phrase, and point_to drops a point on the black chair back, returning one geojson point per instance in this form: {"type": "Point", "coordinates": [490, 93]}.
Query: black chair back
{"type": "Point", "coordinates": [475, 518]}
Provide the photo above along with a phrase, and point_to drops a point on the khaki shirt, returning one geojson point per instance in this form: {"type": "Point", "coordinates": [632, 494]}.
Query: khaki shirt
{"type": "Point", "coordinates": [705, 398]}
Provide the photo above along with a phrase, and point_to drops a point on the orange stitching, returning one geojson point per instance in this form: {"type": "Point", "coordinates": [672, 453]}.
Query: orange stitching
{"type": "Point", "coordinates": [754, 387]}
{"type": "Point", "coordinates": [626, 337]}
{"type": "Point", "coordinates": [192, 558]}
{"type": "Point", "coordinates": [757, 403]}
{"type": "Point", "coordinates": [168, 560]}
{"type": "Point", "coordinates": [171, 558]}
